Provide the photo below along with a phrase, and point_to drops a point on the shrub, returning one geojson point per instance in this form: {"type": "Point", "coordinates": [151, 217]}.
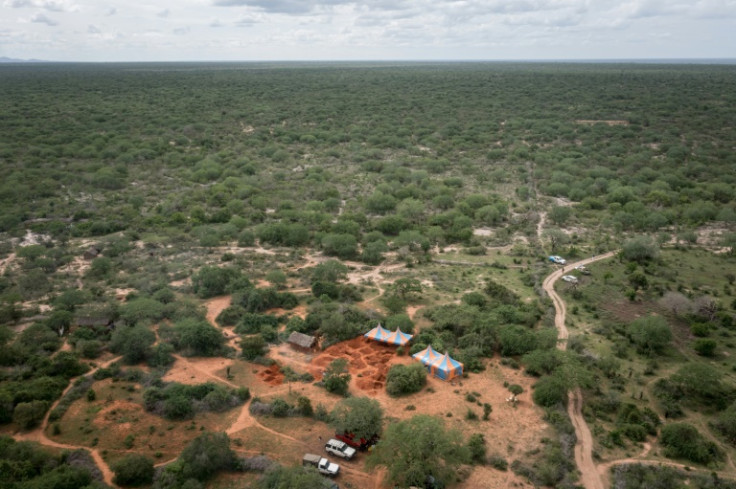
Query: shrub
{"type": "Point", "coordinates": [705, 347]}
{"type": "Point", "coordinates": [280, 408]}
{"type": "Point", "coordinates": [681, 440]}
{"type": "Point", "coordinates": [129, 441]}
{"type": "Point", "coordinates": [198, 336]}
{"type": "Point", "coordinates": [132, 342]}
{"type": "Point", "coordinates": [253, 346]}
{"type": "Point", "coordinates": [487, 410]}
{"type": "Point", "coordinates": [498, 462]}
{"type": "Point", "coordinates": [133, 470]}
{"type": "Point", "coordinates": [304, 406]}
{"type": "Point", "coordinates": [477, 448]}
{"type": "Point", "coordinates": [549, 391]}
{"type": "Point", "coordinates": [406, 379]}
{"type": "Point", "coordinates": [178, 407]}
{"type": "Point", "coordinates": [206, 455]}
{"type": "Point", "coordinates": [640, 249]}
{"type": "Point", "coordinates": [337, 378]}
{"type": "Point", "coordinates": [29, 414]}
{"type": "Point", "coordinates": [650, 334]}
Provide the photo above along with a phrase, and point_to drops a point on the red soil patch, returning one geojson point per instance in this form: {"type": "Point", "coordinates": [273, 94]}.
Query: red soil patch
{"type": "Point", "coordinates": [272, 375]}
{"type": "Point", "coordinates": [368, 362]}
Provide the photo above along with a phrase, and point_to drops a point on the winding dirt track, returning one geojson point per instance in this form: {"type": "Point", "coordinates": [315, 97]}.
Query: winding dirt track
{"type": "Point", "coordinates": [39, 434]}
{"type": "Point", "coordinates": [591, 479]}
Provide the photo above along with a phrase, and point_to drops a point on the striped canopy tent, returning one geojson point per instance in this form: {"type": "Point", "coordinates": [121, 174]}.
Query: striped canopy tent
{"type": "Point", "coordinates": [378, 333]}
{"type": "Point", "coordinates": [446, 368]}
{"type": "Point", "coordinates": [398, 337]}
{"type": "Point", "coordinates": [427, 356]}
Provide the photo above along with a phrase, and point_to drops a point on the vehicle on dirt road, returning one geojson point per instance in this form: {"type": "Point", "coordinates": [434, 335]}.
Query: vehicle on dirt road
{"type": "Point", "coordinates": [340, 449]}
{"type": "Point", "coordinates": [557, 259]}
{"type": "Point", "coordinates": [323, 465]}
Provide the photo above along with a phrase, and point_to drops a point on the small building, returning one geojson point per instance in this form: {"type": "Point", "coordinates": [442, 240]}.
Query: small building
{"type": "Point", "coordinates": [91, 253]}
{"type": "Point", "coordinates": [94, 322]}
{"type": "Point", "coordinates": [301, 341]}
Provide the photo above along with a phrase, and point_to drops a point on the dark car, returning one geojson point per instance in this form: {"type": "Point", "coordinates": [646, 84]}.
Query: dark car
{"type": "Point", "coordinates": [360, 444]}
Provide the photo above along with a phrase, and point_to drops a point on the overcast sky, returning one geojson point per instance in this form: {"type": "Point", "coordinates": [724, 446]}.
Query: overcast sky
{"type": "Point", "coordinates": [191, 30]}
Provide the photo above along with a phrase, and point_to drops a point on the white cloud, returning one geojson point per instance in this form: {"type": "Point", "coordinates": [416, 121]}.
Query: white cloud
{"type": "Point", "coordinates": [50, 5]}
{"type": "Point", "coordinates": [369, 29]}
{"type": "Point", "coordinates": [40, 18]}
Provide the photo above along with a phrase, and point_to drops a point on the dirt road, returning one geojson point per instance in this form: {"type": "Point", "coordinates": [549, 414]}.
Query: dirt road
{"type": "Point", "coordinates": [39, 434]}
{"type": "Point", "coordinates": [589, 475]}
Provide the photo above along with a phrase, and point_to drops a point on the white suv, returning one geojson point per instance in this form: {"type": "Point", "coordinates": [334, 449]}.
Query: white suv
{"type": "Point", "coordinates": [340, 449]}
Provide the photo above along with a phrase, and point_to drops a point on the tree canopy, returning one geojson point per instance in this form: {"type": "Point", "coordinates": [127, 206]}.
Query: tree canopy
{"type": "Point", "coordinates": [417, 448]}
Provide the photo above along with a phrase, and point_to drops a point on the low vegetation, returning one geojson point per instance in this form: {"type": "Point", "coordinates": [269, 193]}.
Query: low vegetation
{"type": "Point", "coordinates": [322, 206]}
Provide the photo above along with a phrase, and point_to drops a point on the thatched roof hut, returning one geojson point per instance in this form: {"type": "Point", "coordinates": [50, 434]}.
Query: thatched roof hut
{"type": "Point", "coordinates": [301, 341]}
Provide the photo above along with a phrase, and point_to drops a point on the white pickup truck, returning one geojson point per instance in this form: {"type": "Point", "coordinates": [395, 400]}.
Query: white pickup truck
{"type": "Point", "coordinates": [323, 465]}
{"type": "Point", "coordinates": [340, 449]}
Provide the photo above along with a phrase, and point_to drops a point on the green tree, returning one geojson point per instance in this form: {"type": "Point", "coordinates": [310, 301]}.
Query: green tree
{"type": "Point", "coordinates": [343, 246]}
{"type": "Point", "coordinates": [199, 336]}
{"type": "Point", "coordinates": [133, 470]}
{"type": "Point", "coordinates": [550, 391]}
{"type": "Point", "coordinates": [406, 287]}
{"type": "Point", "coordinates": [401, 321]}
{"type": "Point", "coordinates": [725, 424]}
{"type": "Point", "coordinates": [100, 268]}
{"type": "Point", "coordinates": [556, 238]}
{"type": "Point", "coordinates": [681, 440]}
{"type": "Point", "coordinates": [296, 477]}
{"type": "Point", "coordinates": [651, 334]}
{"type": "Point", "coordinates": [212, 281]}
{"type": "Point", "coordinates": [253, 346]}
{"type": "Point", "coordinates": [477, 448]}
{"type": "Point", "coordinates": [702, 383]}
{"type": "Point", "coordinates": [640, 249]}
{"type": "Point", "coordinates": [406, 379]}
{"type": "Point", "coordinates": [142, 309]}
{"type": "Point", "coordinates": [559, 214]}
{"type": "Point", "coordinates": [336, 377]}
{"type": "Point", "coordinates": [206, 455]}
{"type": "Point", "coordinates": [29, 414]}
{"type": "Point", "coordinates": [132, 342]}
{"type": "Point", "coordinates": [361, 416]}
{"type": "Point", "coordinates": [420, 447]}
{"type": "Point", "coordinates": [329, 271]}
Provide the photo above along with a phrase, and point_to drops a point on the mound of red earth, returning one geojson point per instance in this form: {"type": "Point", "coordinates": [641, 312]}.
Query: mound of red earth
{"type": "Point", "coordinates": [272, 375]}
{"type": "Point", "coordinates": [368, 361]}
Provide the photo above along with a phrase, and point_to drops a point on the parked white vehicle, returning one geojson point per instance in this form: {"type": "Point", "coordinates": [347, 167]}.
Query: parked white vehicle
{"type": "Point", "coordinates": [323, 465]}
{"type": "Point", "coordinates": [340, 449]}
{"type": "Point", "coordinates": [570, 278]}
{"type": "Point", "coordinates": [557, 259]}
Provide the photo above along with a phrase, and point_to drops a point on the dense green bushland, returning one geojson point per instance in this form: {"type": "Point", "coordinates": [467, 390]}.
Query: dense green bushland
{"type": "Point", "coordinates": [232, 152]}
{"type": "Point", "coordinates": [170, 170]}
{"type": "Point", "coordinates": [25, 465]}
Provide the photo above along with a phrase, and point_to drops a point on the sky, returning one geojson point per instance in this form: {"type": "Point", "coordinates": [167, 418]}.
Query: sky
{"type": "Point", "coordinates": [271, 30]}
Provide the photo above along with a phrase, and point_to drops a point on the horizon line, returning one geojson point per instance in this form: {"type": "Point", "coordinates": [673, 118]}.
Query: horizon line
{"type": "Point", "coordinates": [655, 60]}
